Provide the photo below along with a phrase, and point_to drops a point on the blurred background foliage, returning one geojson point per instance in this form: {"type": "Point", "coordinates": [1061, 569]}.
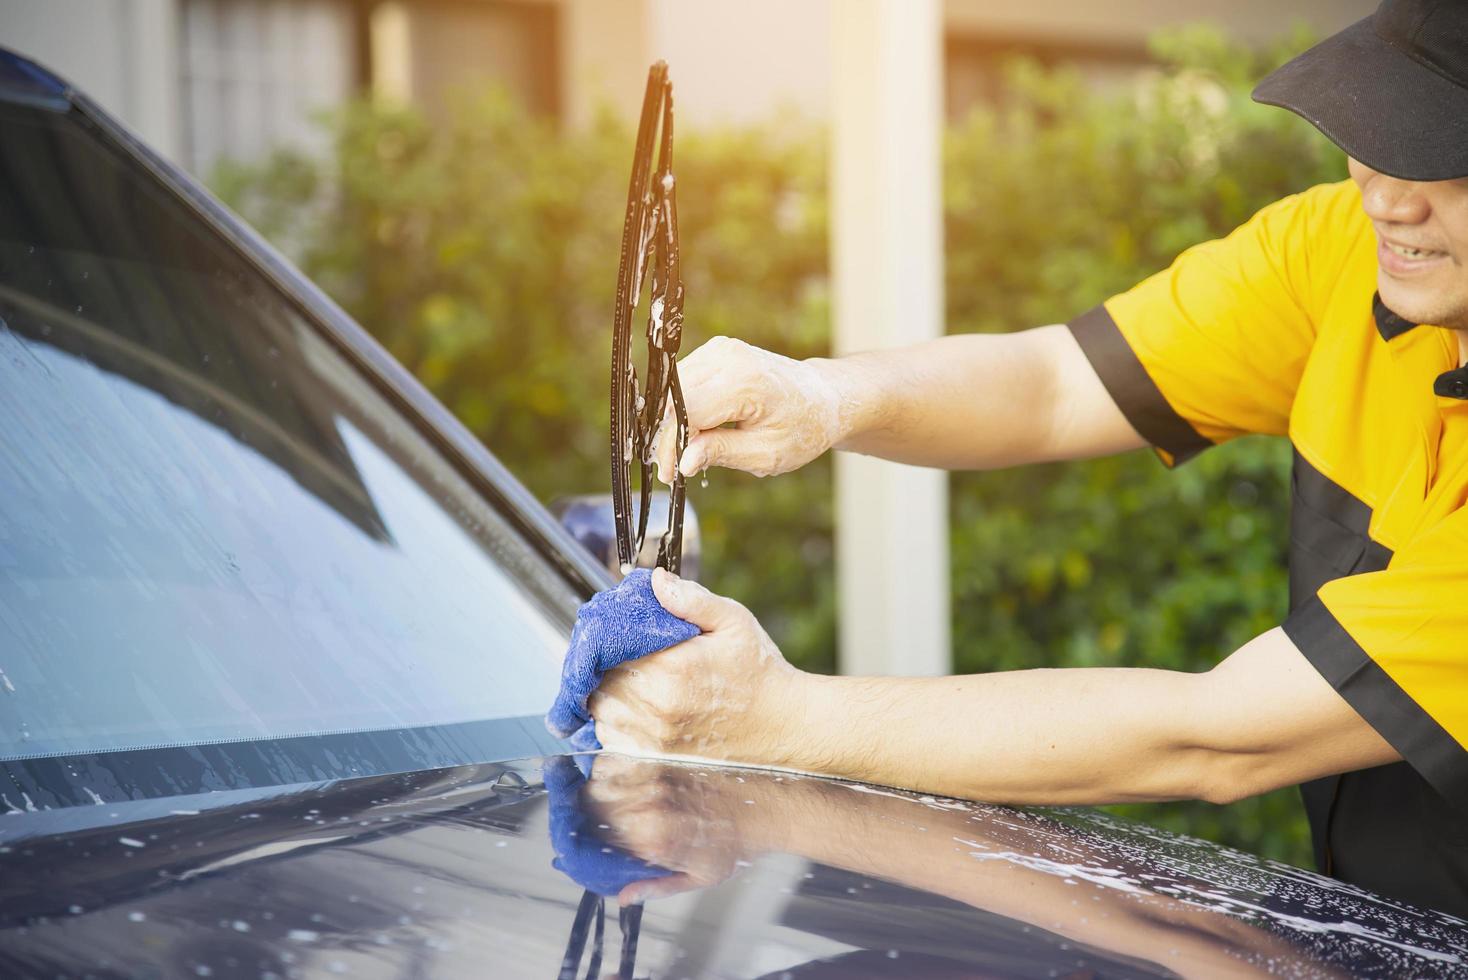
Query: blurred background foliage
{"type": "Point", "coordinates": [481, 247]}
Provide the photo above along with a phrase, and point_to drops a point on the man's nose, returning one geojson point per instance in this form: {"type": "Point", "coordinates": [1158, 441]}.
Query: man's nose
{"type": "Point", "coordinates": [1391, 200]}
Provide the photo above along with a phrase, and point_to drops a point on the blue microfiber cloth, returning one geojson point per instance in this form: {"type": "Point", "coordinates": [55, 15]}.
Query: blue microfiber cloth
{"type": "Point", "coordinates": [581, 853]}
{"type": "Point", "coordinates": [616, 626]}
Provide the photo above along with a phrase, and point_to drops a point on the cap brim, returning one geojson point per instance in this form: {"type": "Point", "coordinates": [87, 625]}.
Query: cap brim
{"type": "Point", "coordinates": [1372, 100]}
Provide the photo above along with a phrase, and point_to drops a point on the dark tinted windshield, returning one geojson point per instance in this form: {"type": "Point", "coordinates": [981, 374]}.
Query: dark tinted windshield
{"type": "Point", "coordinates": [212, 527]}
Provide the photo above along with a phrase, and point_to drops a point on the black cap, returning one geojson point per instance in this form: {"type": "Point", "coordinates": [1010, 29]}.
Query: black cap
{"type": "Point", "coordinates": [1390, 90]}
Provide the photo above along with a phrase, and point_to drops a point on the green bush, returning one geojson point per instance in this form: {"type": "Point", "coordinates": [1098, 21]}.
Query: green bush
{"type": "Point", "coordinates": [482, 252]}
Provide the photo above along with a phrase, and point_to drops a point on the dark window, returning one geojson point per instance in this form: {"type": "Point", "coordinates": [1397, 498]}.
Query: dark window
{"type": "Point", "coordinates": [453, 47]}
{"type": "Point", "coordinates": [974, 66]}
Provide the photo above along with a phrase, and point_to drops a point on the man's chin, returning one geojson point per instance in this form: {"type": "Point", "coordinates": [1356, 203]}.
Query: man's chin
{"type": "Point", "coordinates": [1422, 302]}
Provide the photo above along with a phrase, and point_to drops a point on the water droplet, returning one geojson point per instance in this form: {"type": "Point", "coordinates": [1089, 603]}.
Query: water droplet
{"type": "Point", "coordinates": [76, 910]}
{"type": "Point", "coordinates": [703, 479]}
{"type": "Point", "coordinates": [303, 935]}
{"type": "Point", "coordinates": [137, 917]}
{"type": "Point", "coordinates": [78, 307]}
{"type": "Point", "coordinates": [240, 925]}
{"type": "Point", "coordinates": [130, 842]}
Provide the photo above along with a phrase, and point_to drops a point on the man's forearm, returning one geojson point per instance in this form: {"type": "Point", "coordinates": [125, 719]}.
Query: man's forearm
{"type": "Point", "coordinates": [1261, 719]}
{"type": "Point", "coordinates": [1034, 736]}
{"type": "Point", "coordinates": [977, 401]}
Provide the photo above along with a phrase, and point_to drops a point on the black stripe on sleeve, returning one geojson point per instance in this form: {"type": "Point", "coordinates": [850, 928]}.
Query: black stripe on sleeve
{"type": "Point", "coordinates": [1132, 388]}
{"type": "Point", "coordinates": [1422, 742]}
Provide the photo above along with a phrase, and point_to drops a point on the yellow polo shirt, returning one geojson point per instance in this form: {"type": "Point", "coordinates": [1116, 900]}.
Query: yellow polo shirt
{"type": "Point", "coordinates": [1277, 329]}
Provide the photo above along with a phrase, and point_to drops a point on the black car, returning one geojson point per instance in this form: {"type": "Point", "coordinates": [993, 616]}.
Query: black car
{"type": "Point", "coordinates": [276, 634]}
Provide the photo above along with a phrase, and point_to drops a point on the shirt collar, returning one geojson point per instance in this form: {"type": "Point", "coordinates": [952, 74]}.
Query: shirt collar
{"type": "Point", "coordinates": [1452, 383]}
{"type": "Point", "coordinates": [1388, 323]}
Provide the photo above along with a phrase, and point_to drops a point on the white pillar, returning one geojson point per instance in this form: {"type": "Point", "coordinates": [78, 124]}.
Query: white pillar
{"type": "Point", "coordinates": [887, 268]}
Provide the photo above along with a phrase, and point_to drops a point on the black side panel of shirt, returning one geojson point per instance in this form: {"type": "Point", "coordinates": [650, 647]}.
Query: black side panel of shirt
{"type": "Point", "coordinates": [1385, 828]}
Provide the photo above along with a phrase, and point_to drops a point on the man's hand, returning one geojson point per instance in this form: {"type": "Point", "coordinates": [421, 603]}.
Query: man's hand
{"type": "Point", "coordinates": [785, 412]}
{"type": "Point", "coordinates": [728, 694]}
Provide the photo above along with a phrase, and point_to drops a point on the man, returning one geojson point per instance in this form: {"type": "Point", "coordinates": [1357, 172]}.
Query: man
{"type": "Point", "coordinates": [1336, 317]}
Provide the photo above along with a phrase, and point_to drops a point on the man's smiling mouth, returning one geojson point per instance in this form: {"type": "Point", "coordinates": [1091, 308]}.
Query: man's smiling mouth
{"type": "Point", "coordinates": [1401, 260]}
{"type": "Point", "coordinates": [1408, 252]}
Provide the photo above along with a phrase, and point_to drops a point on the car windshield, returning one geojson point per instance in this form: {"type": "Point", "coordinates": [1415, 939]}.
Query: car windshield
{"type": "Point", "coordinates": [213, 529]}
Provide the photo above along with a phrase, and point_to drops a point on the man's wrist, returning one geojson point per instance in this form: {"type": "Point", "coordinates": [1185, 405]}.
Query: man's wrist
{"type": "Point", "coordinates": [857, 397]}
{"type": "Point", "coordinates": [806, 728]}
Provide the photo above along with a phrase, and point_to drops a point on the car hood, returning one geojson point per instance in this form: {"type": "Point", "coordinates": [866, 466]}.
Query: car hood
{"type": "Point", "coordinates": [516, 869]}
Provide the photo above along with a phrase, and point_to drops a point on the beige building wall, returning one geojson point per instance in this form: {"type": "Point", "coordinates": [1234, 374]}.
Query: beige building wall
{"type": "Point", "coordinates": [123, 53]}
{"type": "Point", "coordinates": [1130, 21]}
{"type": "Point", "coordinates": [604, 56]}
{"type": "Point", "coordinates": [742, 62]}
{"type": "Point", "coordinates": [730, 62]}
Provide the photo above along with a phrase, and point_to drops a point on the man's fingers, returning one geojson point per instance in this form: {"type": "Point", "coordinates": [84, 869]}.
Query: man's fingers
{"type": "Point", "coordinates": [717, 380]}
{"type": "Point", "coordinates": [707, 410]}
{"type": "Point", "coordinates": [693, 603]}
{"type": "Point", "coordinates": [612, 740]}
{"type": "Point", "coordinates": [666, 451]}
{"type": "Point", "coordinates": [735, 449]}
{"type": "Point", "coordinates": [610, 712]}
{"type": "Point", "coordinates": [719, 384]}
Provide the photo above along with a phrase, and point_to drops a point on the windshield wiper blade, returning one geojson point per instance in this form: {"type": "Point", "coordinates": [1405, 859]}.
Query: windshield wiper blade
{"type": "Point", "coordinates": [649, 239]}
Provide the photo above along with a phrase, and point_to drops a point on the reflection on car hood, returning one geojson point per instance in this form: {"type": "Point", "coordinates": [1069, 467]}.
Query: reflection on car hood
{"type": "Point", "coordinates": [450, 873]}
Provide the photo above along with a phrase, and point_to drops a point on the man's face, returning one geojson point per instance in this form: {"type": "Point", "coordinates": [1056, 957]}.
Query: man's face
{"type": "Point", "coordinates": [1422, 245]}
